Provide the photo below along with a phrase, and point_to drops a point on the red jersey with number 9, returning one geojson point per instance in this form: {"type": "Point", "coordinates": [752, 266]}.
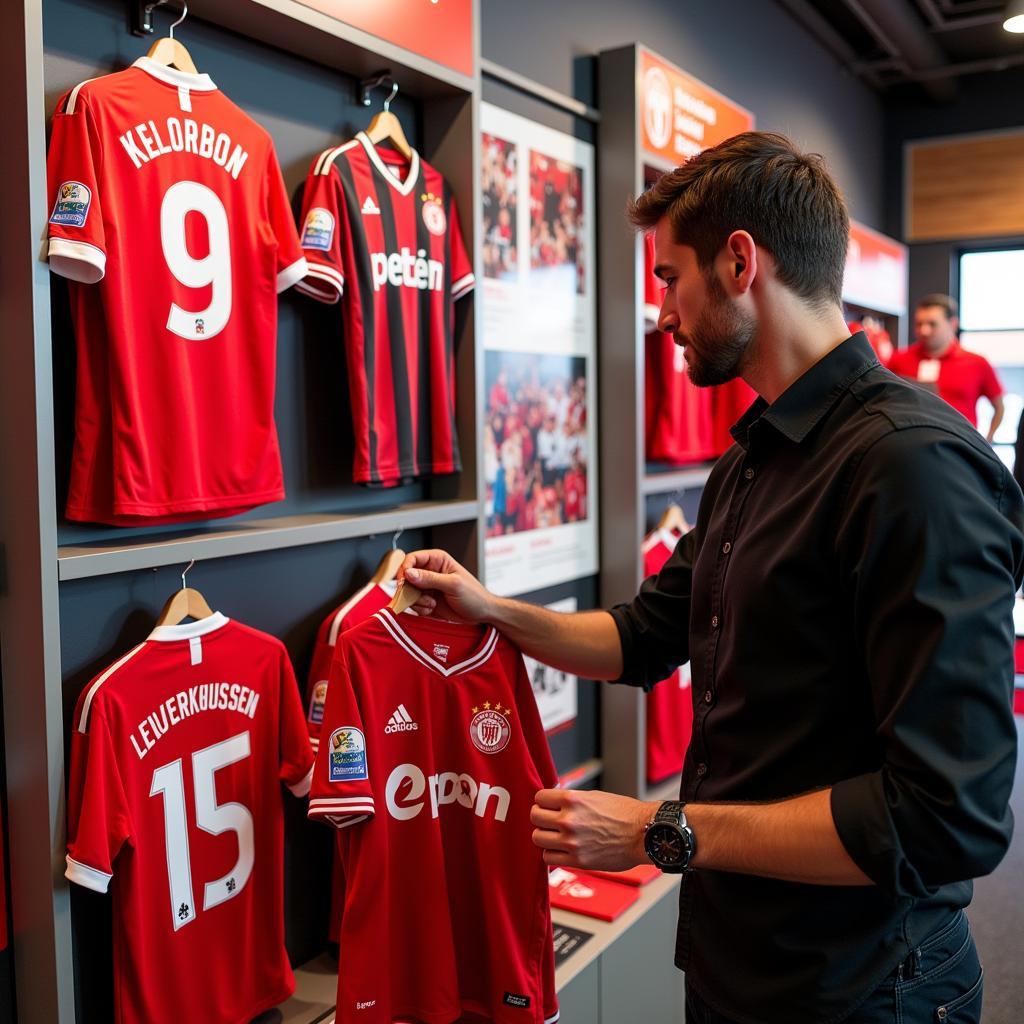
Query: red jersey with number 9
{"type": "Point", "coordinates": [178, 753]}
{"type": "Point", "coordinates": [169, 216]}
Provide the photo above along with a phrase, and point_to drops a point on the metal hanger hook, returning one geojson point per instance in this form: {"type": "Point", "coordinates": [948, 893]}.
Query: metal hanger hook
{"type": "Point", "coordinates": [186, 569]}
{"type": "Point", "coordinates": [394, 540]}
{"type": "Point", "coordinates": [159, 3]}
{"type": "Point", "coordinates": [387, 102]}
{"type": "Point", "coordinates": [184, 15]}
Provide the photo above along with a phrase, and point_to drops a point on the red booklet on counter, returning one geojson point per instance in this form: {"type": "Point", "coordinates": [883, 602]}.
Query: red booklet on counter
{"type": "Point", "coordinates": [642, 874]}
{"type": "Point", "coordinates": [590, 895]}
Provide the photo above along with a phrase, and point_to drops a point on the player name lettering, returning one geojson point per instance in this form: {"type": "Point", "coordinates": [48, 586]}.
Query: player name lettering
{"type": "Point", "coordinates": [193, 701]}
{"type": "Point", "coordinates": [444, 788]}
{"type": "Point", "coordinates": [147, 141]}
{"type": "Point", "coordinates": [408, 269]}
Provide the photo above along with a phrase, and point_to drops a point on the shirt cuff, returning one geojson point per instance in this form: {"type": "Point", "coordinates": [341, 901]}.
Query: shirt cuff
{"type": "Point", "coordinates": [463, 286]}
{"type": "Point", "coordinates": [301, 788]}
{"type": "Point", "coordinates": [632, 674]}
{"type": "Point", "coordinates": [341, 811]}
{"type": "Point", "coordinates": [322, 282]}
{"type": "Point", "coordinates": [77, 261]}
{"type": "Point", "coordinates": [82, 874]}
{"type": "Point", "coordinates": [292, 275]}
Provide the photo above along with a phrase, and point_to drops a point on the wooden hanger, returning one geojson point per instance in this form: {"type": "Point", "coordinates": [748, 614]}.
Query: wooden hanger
{"type": "Point", "coordinates": [168, 51]}
{"type": "Point", "coordinates": [386, 127]}
{"type": "Point", "coordinates": [389, 566]}
{"type": "Point", "coordinates": [405, 597]}
{"type": "Point", "coordinates": [183, 603]}
{"type": "Point", "coordinates": [673, 519]}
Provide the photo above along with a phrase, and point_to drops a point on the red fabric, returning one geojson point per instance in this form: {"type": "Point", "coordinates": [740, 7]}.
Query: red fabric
{"type": "Point", "coordinates": [642, 874]}
{"type": "Point", "coordinates": [670, 703]}
{"type": "Point", "coordinates": [174, 413]}
{"type": "Point", "coordinates": [585, 893]}
{"type": "Point", "coordinates": [1018, 655]}
{"type": "Point", "coordinates": [384, 235]}
{"type": "Point", "coordinates": [434, 750]}
{"type": "Point", "coordinates": [963, 377]}
{"type": "Point", "coordinates": [179, 804]}
{"type": "Point", "coordinates": [1018, 701]}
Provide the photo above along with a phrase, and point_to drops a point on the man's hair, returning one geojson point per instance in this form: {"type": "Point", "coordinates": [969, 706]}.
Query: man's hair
{"type": "Point", "coordinates": [761, 183]}
{"type": "Point", "coordinates": [945, 302]}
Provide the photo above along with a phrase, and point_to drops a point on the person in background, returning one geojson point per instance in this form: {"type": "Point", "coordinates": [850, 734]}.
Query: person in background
{"type": "Point", "coordinates": [937, 361]}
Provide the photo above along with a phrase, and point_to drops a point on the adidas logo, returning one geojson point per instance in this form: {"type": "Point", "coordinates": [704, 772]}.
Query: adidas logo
{"type": "Point", "coordinates": [369, 206]}
{"type": "Point", "coordinates": [400, 721]}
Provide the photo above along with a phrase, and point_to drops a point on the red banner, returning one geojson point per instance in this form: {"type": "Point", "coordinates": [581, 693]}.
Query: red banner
{"type": "Point", "coordinates": [876, 271]}
{"type": "Point", "coordinates": [441, 30]}
{"type": "Point", "coordinates": [679, 115]}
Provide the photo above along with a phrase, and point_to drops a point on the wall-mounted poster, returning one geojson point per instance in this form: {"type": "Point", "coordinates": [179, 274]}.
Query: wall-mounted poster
{"type": "Point", "coordinates": [554, 689]}
{"type": "Point", "coordinates": [539, 419]}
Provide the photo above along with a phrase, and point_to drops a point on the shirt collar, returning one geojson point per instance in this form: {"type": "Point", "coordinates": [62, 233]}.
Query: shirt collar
{"type": "Point", "coordinates": [802, 405]}
{"type": "Point", "coordinates": [190, 630]}
{"type": "Point", "coordinates": [172, 76]}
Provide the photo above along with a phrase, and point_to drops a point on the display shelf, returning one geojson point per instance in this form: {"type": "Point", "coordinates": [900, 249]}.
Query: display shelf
{"type": "Point", "coordinates": [583, 774]}
{"type": "Point", "coordinates": [676, 480]}
{"type": "Point", "coordinates": [85, 561]}
{"type": "Point", "coordinates": [316, 989]}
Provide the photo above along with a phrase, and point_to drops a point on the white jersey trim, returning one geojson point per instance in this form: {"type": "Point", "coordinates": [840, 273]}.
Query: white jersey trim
{"type": "Point", "coordinates": [314, 742]}
{"type": "Point", "coordinates": [551, 1020]}
{"type": "Point", "coordinates": [69, 107]}
{"type": "Point", "coordinates": [318, 271]}
{"type": "Point", "coordinates": [332, 636]}
{"type": "Point", "coordinates": [83, 722]}
{"type": "Point", "coordinates": [172, 76]}
{"type": "Point", "coordinates": [328, 156]}
{"type": "Point", "coordinates": [90, 878]}
{"type": "Point", "coordinates": [188, 630]}
{"type": "Point", "coordinates": [301, 788]}
{"type": "Point", "coordinates": [77, 261]}
{"type": "Point", "coordinates": [463, 285]}
{"type": "Point", "coordinates": [292, 275]}
{"type": "Point", "coordinates": [656, 537]}
{"type": "Point", "coordinates": [412, 648]}
{"type": "Point", "coordinates": [401, 187]}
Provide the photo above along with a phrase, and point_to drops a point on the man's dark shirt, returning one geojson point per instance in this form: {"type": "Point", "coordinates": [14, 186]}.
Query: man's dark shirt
{"type": "Point", "coordinates": [849, 588]}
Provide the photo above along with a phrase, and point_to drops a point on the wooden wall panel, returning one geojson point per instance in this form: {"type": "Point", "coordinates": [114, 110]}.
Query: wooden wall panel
{"type": "Point", "coordinates": [966, 188]}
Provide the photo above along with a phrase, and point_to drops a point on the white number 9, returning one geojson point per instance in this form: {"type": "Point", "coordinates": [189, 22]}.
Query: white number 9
{"type": "Point", "coordinates": [214, 269]}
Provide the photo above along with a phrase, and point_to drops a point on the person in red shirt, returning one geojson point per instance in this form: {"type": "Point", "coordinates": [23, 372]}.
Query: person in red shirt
{"type": "Point", "coordinates": [937, 361]}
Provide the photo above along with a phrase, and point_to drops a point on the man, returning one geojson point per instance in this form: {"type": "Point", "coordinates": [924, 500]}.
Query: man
{"type": "Point", "coordinates": [845, 602]}
{"type": "Point", "coordinates": [937, 361]}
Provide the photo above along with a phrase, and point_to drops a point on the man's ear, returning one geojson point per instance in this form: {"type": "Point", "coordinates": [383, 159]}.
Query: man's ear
{"type": "Point", "coordinates": [742, 260]}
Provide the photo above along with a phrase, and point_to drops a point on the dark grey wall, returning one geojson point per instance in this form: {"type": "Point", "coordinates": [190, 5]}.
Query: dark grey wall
{"type": "Point", "coordinates": [750, 50]}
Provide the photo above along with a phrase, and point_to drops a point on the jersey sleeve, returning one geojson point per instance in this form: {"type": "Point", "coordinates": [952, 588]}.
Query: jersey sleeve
{"type": "Point", "coordinates": [342, 793]}
{"type": "Point", "coordinates": [462, 267]}
{"type": "Point", "coordinates": [77, 245]}
{"type": "Point", "coordinates": [291, 262]}
{"type": "Point", "coordinates": [322, 224]}
{"type": "Point", "coordinates": [990, 386]}
{"type": "Point", "coordinates": [296, 753]}
{"type": "Point", "coordinates": [99, 819]}
{"type": "Point", "coordinates": [316, 687]}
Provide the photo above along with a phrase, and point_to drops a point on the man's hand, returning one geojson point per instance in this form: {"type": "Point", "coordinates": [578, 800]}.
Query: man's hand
{"type": "Point", "coordinates": [590, 829]}
{"type": "Point", "coordinates": [448, 588]}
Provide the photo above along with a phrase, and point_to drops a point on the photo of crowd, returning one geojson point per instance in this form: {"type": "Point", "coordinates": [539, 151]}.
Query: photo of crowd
{"type": "Point", "coordinates": [535, 441]}
{"type": "Point", "coordinates": [500, 199]}
{"type": "Point", "coordinates": [556, 221]}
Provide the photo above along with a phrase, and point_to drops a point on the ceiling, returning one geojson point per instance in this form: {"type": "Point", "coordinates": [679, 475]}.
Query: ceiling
{"type": "Point", "coordinates": [913, 47]}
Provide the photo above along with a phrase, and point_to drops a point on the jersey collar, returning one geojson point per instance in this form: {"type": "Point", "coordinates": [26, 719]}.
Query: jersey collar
{"type": "Point", "coordinates": [190, 630]}
{"type": "Point", "coordinates": [486, 649]}
{"type": "Point", "coordinates": [172, 76]}
{"type": "Point", "coordinates": [402, 187]}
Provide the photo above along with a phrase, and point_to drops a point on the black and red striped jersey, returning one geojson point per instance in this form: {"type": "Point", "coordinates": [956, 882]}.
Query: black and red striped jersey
{"type": "Point", "coordinates": [382, 233]}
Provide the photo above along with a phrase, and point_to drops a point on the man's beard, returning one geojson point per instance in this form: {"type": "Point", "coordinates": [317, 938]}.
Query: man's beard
{"type": "Point", "coordinates": [719, 340]}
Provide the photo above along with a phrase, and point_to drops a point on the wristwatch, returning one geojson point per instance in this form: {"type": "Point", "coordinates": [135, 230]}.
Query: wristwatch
{"type": "Point", "coordinates": [669, 841]}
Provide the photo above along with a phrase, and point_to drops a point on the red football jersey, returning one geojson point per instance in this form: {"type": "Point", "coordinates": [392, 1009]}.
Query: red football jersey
{"type": "Point", "coordinates": [678, 414]}
{"type": "Point", "coordinates": [433, 752]}
{"type": "Point", "coordinates": [388, 230]}
{"type": "Point", "coordinates": [177, 756]}
{"type": "Point", "coordinates": [670, 703]}
{"type": "Point", "coordinates": [170, 217]}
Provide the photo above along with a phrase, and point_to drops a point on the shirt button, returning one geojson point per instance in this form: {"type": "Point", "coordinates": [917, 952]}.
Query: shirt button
{"type": "Point", "coordinates": [749, 474]}
{"type": "Point", "coordinates": [726, 548]}
{"type": "Point", "coordinates": [707, 696]}
{"type": "Point", "coordinates": [702, 769]}
{"type": "Point", "coordinates": [714, 622]}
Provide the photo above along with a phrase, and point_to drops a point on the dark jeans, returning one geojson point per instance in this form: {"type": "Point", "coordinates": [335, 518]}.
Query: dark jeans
{"type": "Point", "coordinates": [939, 983]}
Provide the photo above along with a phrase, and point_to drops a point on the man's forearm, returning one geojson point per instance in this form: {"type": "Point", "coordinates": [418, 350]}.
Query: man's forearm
{"type": "Point", "coordinates": [584, 643]}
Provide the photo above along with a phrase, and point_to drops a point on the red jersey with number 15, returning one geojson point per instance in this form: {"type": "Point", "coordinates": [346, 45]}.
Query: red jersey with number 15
{"type": "Point", "coordinates": [170, 218]}
{"type": "Point", "coordinates": [382, 234]}
{"type": "Point", "coordinates": [174, 802]}
{"type": "Point", "coordinates": [431, 753]}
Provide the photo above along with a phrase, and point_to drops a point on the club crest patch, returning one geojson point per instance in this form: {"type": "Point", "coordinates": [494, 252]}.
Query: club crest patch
{"type": "Point", "coordinates": [318, 231]}
{"type": "Point", "coordinates": [489, 728]}
{"type": "Point", "coordinates": [433, 214]}
{"type": "Point", "coordinates": [72, 205]}
{"type": "Point", "coordinates": [346, 761]}
{"type": "Point", "coordinates": [317, 701]}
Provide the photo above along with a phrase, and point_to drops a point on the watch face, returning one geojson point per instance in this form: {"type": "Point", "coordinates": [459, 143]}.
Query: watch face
{"type": "Point", "coordinates": [665, 845]}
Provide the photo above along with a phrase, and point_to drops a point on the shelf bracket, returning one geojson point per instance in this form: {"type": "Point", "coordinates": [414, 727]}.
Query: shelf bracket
{"type": "Point", "coordinates": [141, 16]}
{"type": "Point", "coordinates": [375, 81]}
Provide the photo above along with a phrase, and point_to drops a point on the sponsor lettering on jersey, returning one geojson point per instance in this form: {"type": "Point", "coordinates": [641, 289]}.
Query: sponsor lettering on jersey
{"type": "Point", "coordinates": [407, 269]}
{"type": "Point", "coordinates": [193, 701]}
{"type": "Point", "coordinates": [347, 758]}
{"type": "Point", "coordinates": [442, 789]}
{"type": "Point", "coordinates": [433, 214]}
{"type": "Point", "coordinates": [317, 700]}
{"type": "Point", "coordinates": [145, 142]}
{"type": "Point", "coordinates": [72, 204]}
{"type": "Point", "coordinates": [318, 231]}
{"type": "Point", "coordinates": [366, 1004]}
{"type": "Point", "coordinates": [489, 728]}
